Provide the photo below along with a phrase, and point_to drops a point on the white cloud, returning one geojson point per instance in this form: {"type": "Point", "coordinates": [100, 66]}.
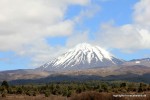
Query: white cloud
{"type": "Point", "coordinates": [129, 37]}
{"type": "Point", "coordinates": [26, 24]}
{"type": "Point", "coordinates": [142, 14]}
{"type": "Point", "coordinates": [88, 12]}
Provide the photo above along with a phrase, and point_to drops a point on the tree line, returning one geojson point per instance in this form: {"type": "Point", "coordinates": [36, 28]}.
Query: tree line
{"type": "Point", "coordinates": [69, 88]}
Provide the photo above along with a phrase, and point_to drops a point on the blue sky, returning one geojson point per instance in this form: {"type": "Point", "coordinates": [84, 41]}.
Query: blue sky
{"type": "Point", "coordinates": [37, 31]}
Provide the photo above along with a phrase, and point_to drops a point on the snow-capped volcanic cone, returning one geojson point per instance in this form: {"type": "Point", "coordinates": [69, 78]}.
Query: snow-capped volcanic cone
{"type": "Point", "coordinates": [83, 56]}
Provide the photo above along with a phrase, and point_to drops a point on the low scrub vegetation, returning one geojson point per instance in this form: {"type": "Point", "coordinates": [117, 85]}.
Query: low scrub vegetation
{"type": "Point", "coordinates": [91, 90]}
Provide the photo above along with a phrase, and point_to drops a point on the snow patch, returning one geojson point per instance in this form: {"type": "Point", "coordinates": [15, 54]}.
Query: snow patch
{"type": "Point", "coordinates": [137, 62]}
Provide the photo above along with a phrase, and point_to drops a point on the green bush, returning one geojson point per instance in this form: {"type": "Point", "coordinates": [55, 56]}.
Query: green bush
{"type": "Point", "coordinates": [69, 93]}
{"type": "Point", "coordinates": [104, 87]}
{"type": "Point", "coordinates": [123, 85]}
{"type": "Point", "coordinates": [29, 93]}
{"type": "Point", "coordinates": [19, 90]}
{"type": "Point", "coordinates": [47, 94]}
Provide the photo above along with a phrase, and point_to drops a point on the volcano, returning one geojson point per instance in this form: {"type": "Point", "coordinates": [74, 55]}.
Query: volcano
{"type": "Point", "coordinates": [82, 56]}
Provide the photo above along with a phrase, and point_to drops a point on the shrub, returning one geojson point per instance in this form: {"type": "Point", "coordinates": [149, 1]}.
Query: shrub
{"type": "Point", "coordinates": [104, 87]}
{"type": "Point", "coordinates": [123, 85]}
{"type": "Point", "coordinates": [115, 90]}
{"type": "Point", "coordinates": [47, 94]}
{"type": "Point", "coordinates": [29, 93]}
{"type": "Point", "coordinates": [3, 95]}
{"type": "Point", "coordinates": [34, 93]}
{"type": "Point", "coordinates": [140, 89]}
{"type": "Point", "coordinates": [69, 93]}
{"type": "Point", "coordinates": [19, 90]}
{"type": "Point", "coordinates": [79, 90]}
{"type": "Point", "coordinates": [100, 90]}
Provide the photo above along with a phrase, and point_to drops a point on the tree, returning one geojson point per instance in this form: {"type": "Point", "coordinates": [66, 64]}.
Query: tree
{"type": "Point", "coordinates": [19, 90]}
{"type": "Point", "coordinates": [5, 84]}
{"type": "Point", "coordinates": [104, 87]}
{"type": "Point", "coordinates": [123, 85]}
{"type": "Point", "coordinates": [142, 87]}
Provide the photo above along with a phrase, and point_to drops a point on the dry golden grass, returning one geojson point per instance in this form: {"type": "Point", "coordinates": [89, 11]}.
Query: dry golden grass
{"type": "Point", "coordinates": [38, 97]}
{"type": "Point", "coordinates": [105, 96]}
{"type": "Point", "coordinates": [82, 96]}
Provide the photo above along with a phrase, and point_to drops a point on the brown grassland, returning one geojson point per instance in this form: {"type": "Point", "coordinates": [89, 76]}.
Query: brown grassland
{"type": "Point", "coordinates": [90, 95]}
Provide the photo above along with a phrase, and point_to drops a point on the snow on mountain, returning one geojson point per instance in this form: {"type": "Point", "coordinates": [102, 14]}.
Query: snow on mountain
{"type": "Point", "coordinates": [83, 56]}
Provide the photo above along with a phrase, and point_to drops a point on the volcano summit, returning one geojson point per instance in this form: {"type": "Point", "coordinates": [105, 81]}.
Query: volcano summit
{"type": "Point", "coordinates": [82, 56]}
